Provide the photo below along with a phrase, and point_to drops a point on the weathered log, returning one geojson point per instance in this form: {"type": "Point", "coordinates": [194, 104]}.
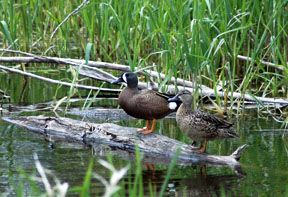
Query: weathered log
{"type": "Point", "coordinates": [105, 114]}
{"type": "Point", "coordinates": [158, 147]}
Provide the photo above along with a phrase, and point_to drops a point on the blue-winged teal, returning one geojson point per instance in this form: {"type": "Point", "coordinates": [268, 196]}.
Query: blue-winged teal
{"type": "Point", "coordinates": [199, 125]}
{"type": "Point", "coordinates": [143, 104]}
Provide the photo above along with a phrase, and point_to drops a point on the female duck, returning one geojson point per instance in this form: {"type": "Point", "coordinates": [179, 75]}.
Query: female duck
{"type": "Point", "coordinates": [198, 125]}
{"type": "Point", "coordinates": [143, 104]}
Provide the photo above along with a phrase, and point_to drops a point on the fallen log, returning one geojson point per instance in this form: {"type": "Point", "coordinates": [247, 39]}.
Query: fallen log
{"type": "Point", "coordinates": [158, 147]}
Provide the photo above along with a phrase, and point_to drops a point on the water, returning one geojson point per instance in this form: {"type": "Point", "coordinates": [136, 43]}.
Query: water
{"type": "Point", "coordinates": [264, 164]}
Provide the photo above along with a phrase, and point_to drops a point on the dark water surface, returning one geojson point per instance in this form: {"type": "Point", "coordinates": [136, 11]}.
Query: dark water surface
{"type": "Point", "coordinates": [264, 164]}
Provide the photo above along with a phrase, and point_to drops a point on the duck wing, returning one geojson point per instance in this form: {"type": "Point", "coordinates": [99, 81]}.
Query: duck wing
{"type": "Point", "coordinates": [212, 119]}
{"type": "Point", "coordinates": [166, 96]}
{"type": "Point", "coordinates": [151, 105]}
{"type": "Point", "coordinates": [163, 95]}
{"type": "Point", "coordinates": [214, 126]}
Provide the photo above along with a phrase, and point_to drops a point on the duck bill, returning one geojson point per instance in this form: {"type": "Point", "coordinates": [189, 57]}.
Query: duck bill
{"type": "Point", "coordinates": [119, 80]}
{"type": "Point", "coordinates": [175, 98]}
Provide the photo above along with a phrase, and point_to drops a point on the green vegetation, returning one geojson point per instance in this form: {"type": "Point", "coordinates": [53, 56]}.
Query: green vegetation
{"type": "Point", "coordinates": [194, 40]}
{"type": "Point", "coordinates": [135, 187]}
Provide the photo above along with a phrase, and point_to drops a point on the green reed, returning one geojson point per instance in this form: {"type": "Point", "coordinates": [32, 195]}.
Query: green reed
{"type": "Point", "coordinates": [195, 40]}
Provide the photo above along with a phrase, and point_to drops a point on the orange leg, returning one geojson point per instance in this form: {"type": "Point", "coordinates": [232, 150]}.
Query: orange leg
{"type": "Point", "coordinates": [145, 128]}
{"type": "Point", "coordinates": [152, 128]}
{"type": "Point", "coordinates": [150, 166]}
{"type": "Point", "coordinates": [203, 147]}
{"type": "Point", "coordinates": [203, 167]}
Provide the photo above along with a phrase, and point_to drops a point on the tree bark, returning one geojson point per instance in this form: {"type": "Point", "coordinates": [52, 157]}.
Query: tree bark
{"type": "Point", "coordinates": [156, 148]}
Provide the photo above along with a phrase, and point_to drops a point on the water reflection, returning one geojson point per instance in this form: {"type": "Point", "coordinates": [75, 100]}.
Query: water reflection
{"type": "Point", "coordinates": [198, 181]}
{"type": "Point", "coordinates": [194, 183]}
{"type": "Point", "coordinates": [205, 185]}
{"type": "Point", "coordinates": [265, 162]}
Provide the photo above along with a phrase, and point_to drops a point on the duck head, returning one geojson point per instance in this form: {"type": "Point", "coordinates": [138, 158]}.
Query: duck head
{"type": "Point", "coordinates": [129, 78]}
{"type": "Point", "coordinates": [184, 96]}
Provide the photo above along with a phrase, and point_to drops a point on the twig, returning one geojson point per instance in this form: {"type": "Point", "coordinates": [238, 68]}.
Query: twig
{"type": "Point", "coordinates": [97, 74]}
{"type": "Point", "coordinates": [279, 67]}
{"type": "Point", "coordinates": [5, 95]}
{"type": "Point", "coordinates": [69, 15]}
{"type": "Point", "coordinates": [56, 81]}
{"type": "Point", "coordinates": [20, 52]}
{"type": "Point", "coordinates": [40, 59]}
{"type": "Point", "coordinates": [76, 62]}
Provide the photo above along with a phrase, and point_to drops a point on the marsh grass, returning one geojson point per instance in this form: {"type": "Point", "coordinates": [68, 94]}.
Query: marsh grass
{"type": "Point", "coordinates": [194, 40]}
{"type": "Point", "coordinates": [76, 75]}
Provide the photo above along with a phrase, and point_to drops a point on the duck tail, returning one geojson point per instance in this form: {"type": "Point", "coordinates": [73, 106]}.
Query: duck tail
{"type": "Point", "coordinates": [229, 133]}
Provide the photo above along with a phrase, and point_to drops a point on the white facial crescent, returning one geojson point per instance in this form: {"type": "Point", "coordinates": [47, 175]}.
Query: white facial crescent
{"type": "Point", "coordinates": [124, 78]}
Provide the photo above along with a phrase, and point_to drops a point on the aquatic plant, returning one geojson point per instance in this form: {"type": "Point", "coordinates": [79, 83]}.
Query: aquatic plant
{"type": "Point", "coordinates": [201, 41]}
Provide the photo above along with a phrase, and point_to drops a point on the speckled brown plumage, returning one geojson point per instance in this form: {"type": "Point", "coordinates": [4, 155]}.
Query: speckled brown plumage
{"type": "Point", "coordinates": [199, 125]}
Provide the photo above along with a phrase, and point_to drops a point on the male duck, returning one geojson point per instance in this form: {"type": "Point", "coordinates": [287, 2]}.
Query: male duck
{"type": "Point", "coordinates": [199, 125]}
{"type": "Point", "coordinates": [143, 104]}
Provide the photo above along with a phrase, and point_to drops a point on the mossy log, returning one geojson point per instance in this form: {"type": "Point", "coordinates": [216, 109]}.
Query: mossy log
{"type": "Point", "coordinates": [156, 148]}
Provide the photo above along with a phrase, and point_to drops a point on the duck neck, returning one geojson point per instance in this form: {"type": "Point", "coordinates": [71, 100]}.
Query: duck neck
{"type": "Point", "coordinates": [187, 106]}
{"type": "Point", "coordinates": [133, 89]}
{"type": "Point", "coordinates": [132, 86]}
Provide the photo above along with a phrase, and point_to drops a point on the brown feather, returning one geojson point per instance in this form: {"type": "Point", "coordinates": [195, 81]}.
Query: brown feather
{"type": "Point", "coordinates": [143, 104]}
{"type": "Point", "coordinates": [199, 125]}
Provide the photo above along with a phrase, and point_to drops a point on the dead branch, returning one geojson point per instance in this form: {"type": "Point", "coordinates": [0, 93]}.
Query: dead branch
{"type": "Point", "coordinates": [69, 15]}
{"type": "Point", "coordinates": [43, 59]}
{"type": "Point", "coordinates": [275, 66]}
{"type": "Point", "coordinates": [102, 75]}
{"type": "Point", "coordinates": [124, 138]}
{"type": "Point", "coordinates": [56, 81]}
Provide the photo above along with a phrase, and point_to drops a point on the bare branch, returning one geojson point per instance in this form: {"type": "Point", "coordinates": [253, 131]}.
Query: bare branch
{"type": "Point", "coordinates": [102, 75]}
{"type": "Point", "coordinates": [278, 67]}
{"type": "Point", "coordinates": [56, 81]}
{"type": "Point", "coordinates": [69, 15]}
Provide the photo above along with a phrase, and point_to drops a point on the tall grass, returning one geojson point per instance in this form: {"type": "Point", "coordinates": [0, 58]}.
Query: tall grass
{"type": "Point", "coordinates": [194, 40]}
